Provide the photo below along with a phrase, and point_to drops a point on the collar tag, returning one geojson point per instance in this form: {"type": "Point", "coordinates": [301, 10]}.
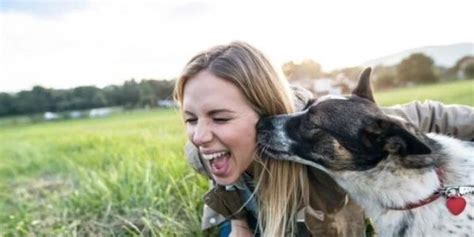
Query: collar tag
{"type": "Point", "coordinates": [456, 205]}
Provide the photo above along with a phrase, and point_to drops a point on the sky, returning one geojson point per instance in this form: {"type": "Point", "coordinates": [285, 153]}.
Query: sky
{"type": "Point", "coordinates": [64, 44]}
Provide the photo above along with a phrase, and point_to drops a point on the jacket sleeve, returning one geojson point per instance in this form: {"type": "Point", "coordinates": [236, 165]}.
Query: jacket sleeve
{"type": "Point", "coordinates": [301, 97]}
{"type": "Point", "coordinates": [435, 117]}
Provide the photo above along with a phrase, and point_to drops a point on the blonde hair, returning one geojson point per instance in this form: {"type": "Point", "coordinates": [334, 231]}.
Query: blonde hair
{"type": "Point", "coordinates": [280, 184]}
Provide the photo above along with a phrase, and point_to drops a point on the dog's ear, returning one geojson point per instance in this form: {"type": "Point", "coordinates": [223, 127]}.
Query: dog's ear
{"type": "Point", "coordinates": [363, 88]}
{"type": "Point", "coordinates": [388, 136]}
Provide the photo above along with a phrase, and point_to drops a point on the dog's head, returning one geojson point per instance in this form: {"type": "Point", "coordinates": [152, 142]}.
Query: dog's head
{"type": "Point", "coordinates": [345, 133]}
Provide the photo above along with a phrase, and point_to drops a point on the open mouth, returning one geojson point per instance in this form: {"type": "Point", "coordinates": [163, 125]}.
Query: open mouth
{"type": "Point", "coordinates": [219, 162]}
{"type": "Point", "coordinates": [214, 155]}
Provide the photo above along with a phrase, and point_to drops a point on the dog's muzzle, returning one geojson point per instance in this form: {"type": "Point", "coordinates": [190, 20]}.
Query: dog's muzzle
{"type": "Point", "coordinates": [271, 133]}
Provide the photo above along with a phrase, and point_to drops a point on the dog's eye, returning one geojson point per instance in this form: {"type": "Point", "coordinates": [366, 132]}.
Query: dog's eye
{"type": "Point", "coordinates": [309, 104]}
{"type": "Point", "coordinates": [312, 110]}
{"type": "Point", "coordinates": [314, 129]}
{"type": "Point", "coordinates": [310, 131]}
{"type": "Point", "coordinates": [308, 125]}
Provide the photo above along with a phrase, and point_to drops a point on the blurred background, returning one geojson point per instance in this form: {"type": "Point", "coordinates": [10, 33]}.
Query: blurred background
{"type": "Point", "coordinates": [90, 139]}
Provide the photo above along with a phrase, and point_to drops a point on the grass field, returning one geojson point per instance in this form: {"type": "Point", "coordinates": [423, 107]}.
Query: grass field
{"type": "Point", "coordinates": [123, 175]}
{"type": "Point", "coordinates": [458, 92]}
{"type": "Point", "coordinates": [116, 176]}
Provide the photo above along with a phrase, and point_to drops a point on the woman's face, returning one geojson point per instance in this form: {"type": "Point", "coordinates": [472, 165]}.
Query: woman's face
{"type": "Point", "coordinates": [221, 123]}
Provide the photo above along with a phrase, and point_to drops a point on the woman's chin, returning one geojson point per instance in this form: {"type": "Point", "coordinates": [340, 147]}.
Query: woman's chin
{"type": "Point", "coordinates": [226, 180]}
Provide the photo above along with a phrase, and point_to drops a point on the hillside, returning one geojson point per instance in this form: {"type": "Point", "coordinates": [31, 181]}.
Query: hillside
{"type": "Point", "coordinates": [443, 55]}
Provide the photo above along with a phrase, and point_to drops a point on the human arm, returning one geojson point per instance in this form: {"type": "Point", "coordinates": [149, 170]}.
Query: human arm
{"type": "Point", "coordinates": [435, 117]}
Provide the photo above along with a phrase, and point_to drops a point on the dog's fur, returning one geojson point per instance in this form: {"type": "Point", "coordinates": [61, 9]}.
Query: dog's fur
{"type": "Point", "coordinates": [381, 161]}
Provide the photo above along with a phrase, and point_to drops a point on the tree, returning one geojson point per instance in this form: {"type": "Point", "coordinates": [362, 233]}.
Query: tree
{"type": "Point", "coordinates": [165, 89]}
{"type": "Point", "coordinates": [352, 73]}
{"type": "Point", "coordinates": [311, 68]}
{"type": "Point", "coordinates": [307, 69]}
{"type": "Point", "coordinates": [61, 100]}
{"type": "Point", "coordinates": [86, 97]}
{"type": "Point", "coordinates": [459, 64]}
{"type": "Point", "coordinates": [148, 94]}
{"type": "Point", "coordinates": [131, 93]}
{"type": "Point", "coordinates": [384, 77]}
{"type": "Point", "coordinates": [469, 71]}
{"type": "Point", "coordinates": [152, 90]}
{"type": "Point", "coordinates": [42, 97]}
{"type": "Point", "coordinates": [114, 95]}
{"type": "Point", "coordinates": [6, 104]}
{"type": "Point", "coordinates": [464, 67]}
{"type": "Point", "coordinates": [24, 102]}
{"type": "Point", "coordinates": [416, 68]}
{"type": "Point", "coordinates": [289, 69]}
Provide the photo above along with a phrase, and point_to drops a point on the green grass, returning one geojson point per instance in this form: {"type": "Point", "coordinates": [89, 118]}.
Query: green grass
{"type": "Point", "coordinates": [458, 92]}
{"type": "Point", "coordinates": [118, 176]}
{"type": "Point", "coordinates": [124, 175]}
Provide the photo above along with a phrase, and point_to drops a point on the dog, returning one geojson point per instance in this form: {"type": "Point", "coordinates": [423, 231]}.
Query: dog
{"type": "Point", "coordinates": [409, 183]}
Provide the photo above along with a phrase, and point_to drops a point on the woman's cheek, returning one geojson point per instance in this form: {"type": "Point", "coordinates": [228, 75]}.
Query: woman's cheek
{"type": "Point", "coordinates": [189, 132]}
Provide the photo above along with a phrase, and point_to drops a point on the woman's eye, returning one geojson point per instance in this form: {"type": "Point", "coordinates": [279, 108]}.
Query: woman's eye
{"type": "Point", "coordinates": [221, 120]}
{"type": "Point", "coordinates": [190, 120]}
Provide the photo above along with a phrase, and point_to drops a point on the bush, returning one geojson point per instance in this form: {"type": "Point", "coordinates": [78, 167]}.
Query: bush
{"type": "Point", "coordinates": [417, 68]}
{"type": "Point", "coordinates": [385, 81]}
{"type": "Point", "coordinates": [469, 71]}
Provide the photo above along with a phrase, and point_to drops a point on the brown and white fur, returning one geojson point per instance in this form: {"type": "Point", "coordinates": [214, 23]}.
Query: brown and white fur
{"type": "Point", "coordinates": [381, 161]}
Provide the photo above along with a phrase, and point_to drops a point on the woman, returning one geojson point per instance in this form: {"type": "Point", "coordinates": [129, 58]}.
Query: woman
{"type": "Point", "coordinates": [222, 93]}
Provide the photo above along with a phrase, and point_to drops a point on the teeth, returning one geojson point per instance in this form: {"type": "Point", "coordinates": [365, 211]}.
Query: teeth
{"type": "Point", "coordinates": [213, 155]}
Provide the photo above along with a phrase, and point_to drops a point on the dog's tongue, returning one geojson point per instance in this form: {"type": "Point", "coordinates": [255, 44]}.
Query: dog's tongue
{"type": "Point", "coordinates": [219, 166]}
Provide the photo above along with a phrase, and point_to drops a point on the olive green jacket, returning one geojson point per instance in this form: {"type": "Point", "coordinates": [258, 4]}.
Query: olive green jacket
{"type": "Point", "coordinates": [331, 211]}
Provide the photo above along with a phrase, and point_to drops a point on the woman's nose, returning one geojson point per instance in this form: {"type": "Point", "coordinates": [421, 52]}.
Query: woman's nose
{"type": "Point", "coordinates": [202, 134]}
